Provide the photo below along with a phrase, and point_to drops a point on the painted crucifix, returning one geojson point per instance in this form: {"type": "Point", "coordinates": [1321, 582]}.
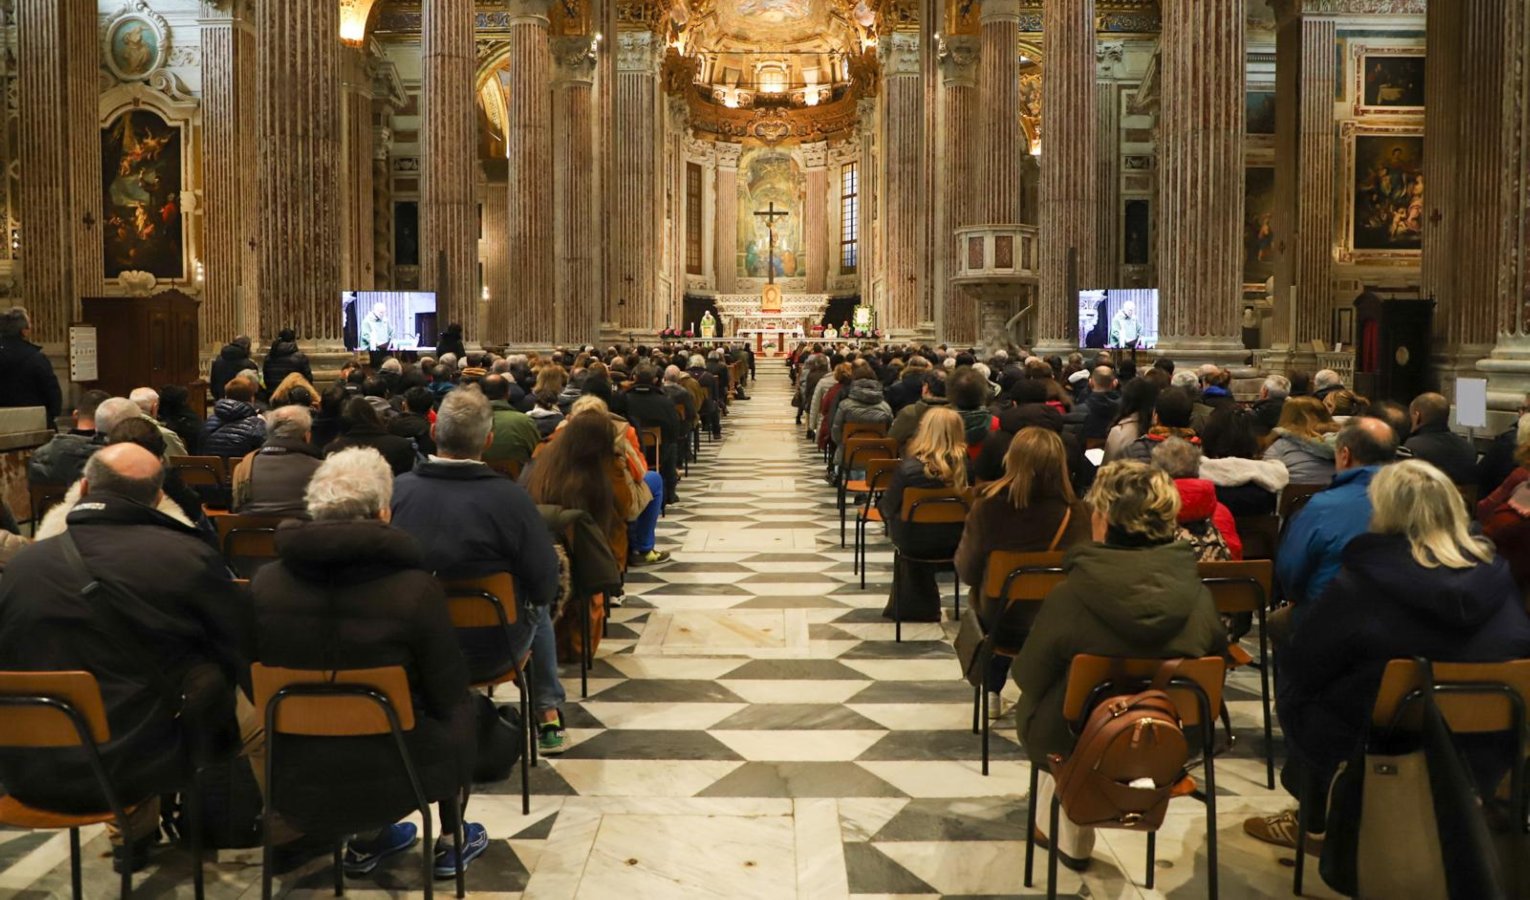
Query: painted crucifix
{"type": "Point", "coordinates": [770, 215]}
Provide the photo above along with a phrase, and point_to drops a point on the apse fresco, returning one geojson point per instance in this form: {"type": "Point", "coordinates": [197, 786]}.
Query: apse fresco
{"type": "Point", "coordinates": [768, 176]}
{"type": "Point", "coordinates": [141, 196]}
{"type": "Point", "coordinates": [1389, 193]}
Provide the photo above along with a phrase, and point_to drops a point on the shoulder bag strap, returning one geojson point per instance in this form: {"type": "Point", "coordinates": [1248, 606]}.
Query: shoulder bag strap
{"type": "Point", "coordinates": [1061, 529]}
{"type": "Point", "coordinates": [1166, 673]}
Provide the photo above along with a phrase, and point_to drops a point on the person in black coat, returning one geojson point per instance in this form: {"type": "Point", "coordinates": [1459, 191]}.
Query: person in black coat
{"type": "Point", "coordinates": [1419, 584]}
{"type": "Point", "coordinates": [348, 591]}
{"type": "Point", "coordinates": [649, 407]}
{"type": "Point", "coordinates": [233, 359]}
{"type": "Point", "coordinates": [26, 376]}
{"type": "Point", "coordinates": [1498, 463]}
{"type": "Point", "coordinates": [284, 358]}
{"type": "Point", "coordinates": [173, 611]}
{"type": "Point", "coordinates": [414, 422]}
{"type": "Point", "coordinates": [910, 387]}
{"type": "Point", "coordinates": [1433, 442]}
{"type": "Point", "coordinates": [235, 426]}
{"type": "Point", "coordinates": [177, 415]}
{"type": "Point", "coordinates": [360, 426]}
{"type": "Point", "coordinates": [450, 341]}
{"type": "Point", "coordinates": [1101, 405]}
{"type": "Point", "coordinates": [936, 458]}
{"type": "Point", "coordinates": [1026, 408]}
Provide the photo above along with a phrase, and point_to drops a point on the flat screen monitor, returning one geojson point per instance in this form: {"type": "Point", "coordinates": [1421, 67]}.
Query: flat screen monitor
{"type": "Point", "coordinates": [1118, 319]}
{"type": "Point", "coordinates": [390, 320]}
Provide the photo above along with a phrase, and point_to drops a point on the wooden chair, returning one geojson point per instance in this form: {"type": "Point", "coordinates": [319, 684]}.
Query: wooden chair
{"type": "Point", "coordinates": [248, 542]}
{"type": "Point", "coordinates": [510, 468]}
{"type": "Point", "coordinates": [651, 440]}
{"type": "Point", "coordinates": [1294, 498]}
{"type": "Point", "coordinates": [62, 711]}
{"type": "Point", "coordinates": [1196, 690]}
{"type": "Point", "coordinates": [930, 506]}
{"type": "Point", "coordinates": [347, 703]}
{"type": "Point", "coordinates": [1098, 444]}
{"type": "Point", "coordinates": [685, 447]}
{"type": "Point", "coordinates": [486, 608]}
{"type": "Point", "coordinates": [1474, 698]}
{"type": "Point", "coordinates": [858, 451]}
{"type": "Point", "coordinates": [1260, 534]}
{"type": "Point", "coordinates": [878, 473]}
{"type": "Point", "coordinates": [862, 429]}
{"type": "Point", "coordinates": [1010, 579]}
{"type": "Point", "coordinates": [1244, 588]}
{"type": "Point", "coordinates": [201, 471]}
{"type": "Point", "coordinates": [42, 497]}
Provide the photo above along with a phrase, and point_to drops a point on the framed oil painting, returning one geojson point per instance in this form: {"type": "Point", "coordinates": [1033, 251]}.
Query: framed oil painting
{"type": "Point", "coordinates": [1386, 211]}
{"type": "Point", "coordinates": [1389, 81]}
{"type": "Point", "coordinates": [135, 45]}
{"type": "Point", "coordinates": [1259, 112]}
{"type": "Point", "coordinates": [1258, 223]}
{"type": "Point", "coordinates": [141, 196]}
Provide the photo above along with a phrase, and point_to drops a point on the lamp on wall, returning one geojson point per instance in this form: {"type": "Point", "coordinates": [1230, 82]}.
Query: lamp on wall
{"type": "Point", "coordinates": [201, 273]}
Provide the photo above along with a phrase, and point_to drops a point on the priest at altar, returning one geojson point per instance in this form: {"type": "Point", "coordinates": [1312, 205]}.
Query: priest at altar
{"type": "Point", "coordinates": [708, 325]}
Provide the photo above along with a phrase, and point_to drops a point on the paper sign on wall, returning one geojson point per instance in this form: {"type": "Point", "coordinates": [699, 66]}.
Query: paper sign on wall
{"type": "Point", "coordinates": [1471, 402]}
{"type": "Point", "coordinates": [82, 353]}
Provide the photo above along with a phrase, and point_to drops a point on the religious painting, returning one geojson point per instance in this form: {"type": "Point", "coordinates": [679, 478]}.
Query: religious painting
{"type": "Point", "coordinates": [1137, 243]}
{"type": "Point", "coordinates": [135, 46]}
{"type": "Point", "coordinates": [141, 196]}
{"type": "Point", "coordinates": [1389, 192]}
{"type": "Point", "coordinates": [770, 183]}
{"type": "Point", "coordinates": [1258, 223]}
{"type": "Point", "coordinates": [1392, 82]}
{"type": "Point", "coordinates": [1259, 112]}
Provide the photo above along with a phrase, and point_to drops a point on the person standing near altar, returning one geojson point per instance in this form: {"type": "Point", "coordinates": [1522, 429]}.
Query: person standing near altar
{"type": "Point", "coordinates": [708, 325]}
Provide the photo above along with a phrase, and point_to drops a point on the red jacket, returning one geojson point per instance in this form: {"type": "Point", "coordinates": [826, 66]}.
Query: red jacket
{"type": "Point", "coordinates": [1198, 501]}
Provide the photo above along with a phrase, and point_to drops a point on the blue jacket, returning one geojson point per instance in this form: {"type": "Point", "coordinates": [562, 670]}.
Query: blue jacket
{"type": "Point", "coordinates": [1314, 543]}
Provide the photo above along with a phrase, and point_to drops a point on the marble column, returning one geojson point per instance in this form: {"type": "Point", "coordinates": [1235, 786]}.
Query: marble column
{"type": "Point", "coordinates": [1069, 194]}
{"type": "Point", "coordinates": [726, 229]}
{"type": "Point", "coordinates": [637, 214]}
{"type": "Point", "coordinates": [1002, 145]}
{"type": "Point", "coordinates": [498, 277]}
{"type": "Point", "coordinates": [228, 112]}
{"type": "Point", "coordinates": [528, 144]}
{"type": "Point", "coordinates": [448, 165]}
{"type": "Point", "coordinates": [577, 307]}
{"type": "Point", "coordinates": [1200, 258]}
{"type": "Point", "coordinates": [297, 94]}
{"type": "Point", "coordinates": [1107, 265]}
{"type": "Point", "coordinates": [1306, 72]}
{"type": "Point", "coordinates": [905, 166]}
{"type": "Point", "coordinates": [958, 63]}
{"type": "Point", "coordinates": [60, 156]}
{"type": "Point", "coordinates": [356, 211]}
{"type": "Point", "coordinates": [816, 156]}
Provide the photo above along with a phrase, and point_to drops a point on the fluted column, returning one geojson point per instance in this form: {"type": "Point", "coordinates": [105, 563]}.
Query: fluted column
{"type": "Point", "coordinates": [1305, 177]}
{"type": "Point", "coordinates": [298, 140]}
{"type": "Point", "coordinates": [228, 107]}
{"type": "Point", "coordinates": [495, 246]}
{"type": "Point", "coordinates": [903, 151]}
{"type": "Point", "coordinates": [1442, 124]}
{"type": "Point", "coordinates": [528, 144]}
{"type": "Point", "coordinates": [1070, 173]}
{"type": "Point", "coordinates": [958, 65]}
{"type": "Point", "coordinates": [1110, 59]}
{"type": "Point", "coordinates": [448, 163]}
{"type": "Point", "coordinates": [356, 186]}
{"type": "Point", "coordinates": [1200, 257]}
{"type": "Point", "coordinates": [1001, 143]}
{"type": "Point", "coordinates": [816, 156]}
{"type": "Point", "coordinates": [577, 307]}
{"type": "Point", "coordinates": [637, 213]}
{"type": "Point", "coordinates": [726, 218]}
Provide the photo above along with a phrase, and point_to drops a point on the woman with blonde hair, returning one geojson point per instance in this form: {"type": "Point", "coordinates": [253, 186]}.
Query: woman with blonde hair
{"type": "Point", "coordinates": [1304, 441]}
{"type": "Point", "coordinates": [1418, 584]}
{"type": "Point", "coordinates": [1135, 592]}
{"type": "Point", "coordinates": [1032, 509]}
{"type": "Point", "coordinates": [936, 457]}
{"type": "Point", "coordinates": [282, 396]}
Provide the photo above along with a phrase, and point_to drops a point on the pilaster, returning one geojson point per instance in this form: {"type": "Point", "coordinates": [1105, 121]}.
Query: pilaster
{"type": "Point", "coordinates": [904, 152]}
{"type": "Point", "coordinates": [448, 165]}
{"type": "Point", "coordinates": [229, 300]}
{"type": "Point", "coordinates": [727, 218]}
{"type": "Point", "coordinates": [577, 307]}
{"type": "Point", "coordinates": [1069, 195]}
{"type": "Point", "coordinates": [636, 216]}
{"type": "Point", "coordinates": [958, 66]}
{"type": "Point", "coordinates": [816, 157]}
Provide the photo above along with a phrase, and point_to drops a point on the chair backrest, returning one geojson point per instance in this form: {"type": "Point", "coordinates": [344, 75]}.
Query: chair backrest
{"type": "Point", "coordinates": [211, 471]}
{"type": "Point", "coordinates": [863, 429]}
{"type": "Point", "coordinates": [1091, 676]}
{"type": "Point", "coordinates": [50, 709]}
{"type": "Point", "coordinates": [510, 468]}
{"type": "Point", "coordinates": [1469, 497]}
{"type": "Point", "coordinates": [248, 541]}
{"type": "Point", "coordinates": [334, 703]}
{"type": "Point", "coordinates": [1239, 587]}
{"type": "Point", "coordinates": [1295, 496]}
{"type": "Point", "coordinates": [878, 473]}
{"type": "Point", "coordinates": [934, 506]}
{"type": "Point", "coordinates": [487, 602]}
{"type": "Point", "coordinates": [869, 448]}
{"type": "Point", "coordinates": [1475, 698]}
{"type": "Point", "coordinates": [1097, 444]}
{"type": "Point", "coordinates": [1260, 536]}
{"type": "Point", "coordinates": [1014, 577]}
{"type": "Point", "coordinates": [43, 497]}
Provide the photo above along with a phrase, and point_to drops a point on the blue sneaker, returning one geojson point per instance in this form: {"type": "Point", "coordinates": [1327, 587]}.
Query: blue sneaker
{"type": "Point", "coordinates": [361, 857]}
{"type": "Point", "coordinates": [475, 840]}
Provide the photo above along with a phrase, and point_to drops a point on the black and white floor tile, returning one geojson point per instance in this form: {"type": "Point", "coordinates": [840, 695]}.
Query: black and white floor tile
{"type": "Point", "coordinates": [753, 730]}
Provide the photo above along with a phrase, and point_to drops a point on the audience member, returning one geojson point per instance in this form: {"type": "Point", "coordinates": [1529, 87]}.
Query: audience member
{"type": "Point", "coordinates": [862, 404]}
{"type": "Point", "coordinates": [233, 359]}
{"type": "Point", "coordinates": [360, 426]}
{"type": "Point", "coordinates": [645, 487]}
{"type": "Point", "coordinates": [1303, 441]}
{"type": "Point", "coordinates": [935, 458]}
{"type": "Point", "coordinates": [26, 376]}
{"type": "Point", "coordinates": [969, 394]}
{"type": "Point", "coordinates": [906, 422]}
{"type": "Point", "coordinates": [1134, 418]}
{"type": "Point", "coordinates": [1171, 418]}
{"type": "Point", "coordinates": [1102, 404]}
{"type": "Point", "coordinates": [1027, 407]}
{"type": "Point", "coordinates": [295, 389]}
{"type": "Point", "coordinates": [450, 341]}
{"type": "Point", "coordinates": [1272, 400]}
{"type": "Point", "coordinates": [515, 435]}
{"type": "Point", "coordinates": [1215, 394]}
{"type": "Point", "coordinates": [62, 459]}
{"type": "Point", "coordinates": [1204, 522]}
{"type": "Point", "coordinates": [581, 470]}
{"type": "Point", "coordinates": [910, 385]}
{"type": "Point", "coordinates": [1343, 403]}
{"type": "Point", "coordinates": [1433, 442]}
{"type": "Point", "coordinates": [1135, 592]}
{"type": "Point", "coordinates": [350, 591]}
{"type": "Point", "coordinates": [1501, 459]}
{"type": "Point", "coordinates": [413, 422]}
{"type": "Point", "coordinates": [649, 407]}
{"type": "Point", "coordinates": [1325, 382]}
{"type": "Point", "coordinates": [272, 481]}
{"type": "Point", "coordinates": [833, 388]}
{"type": "Point", "coordinates": [284, 358]}
{"type": "Point", "coordinates": [546, 415]}
{"type": "Point", "coordinates": [235, 427]}
{"type": "Point", "coordinates": [472, 522]}
{"type": "Point", "coordinates": [147, 400]}
{"type": "Point", "coordinates": [806, 386]}
{"type": "Point", "coordinates": [176, 412]}
{"type": "Point", "coordinates": [1417, 585]}
{"type": "Point", "coordinates": [1246, 482]}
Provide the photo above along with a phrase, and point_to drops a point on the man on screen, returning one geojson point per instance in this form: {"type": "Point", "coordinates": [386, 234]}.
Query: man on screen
{"type": "Point", "coordinates": [376, 333]}
{"type": "Point", "coordinates": [1125, 330]}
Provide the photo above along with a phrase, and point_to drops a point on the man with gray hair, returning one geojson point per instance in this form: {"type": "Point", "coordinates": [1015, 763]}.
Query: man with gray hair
{"type": "Point", "coordinates": [1325, 382]}
{"type": "Point", "coordinates": [271, 481]}
{"type": "Point", "coordinates": [148, 403]}
{"type": "Point", "coordinates": [471, 522]}
{"type": "Point", "coordinates": [26, 376]}
{"type": "Point", "coordinates": [1271, 402]}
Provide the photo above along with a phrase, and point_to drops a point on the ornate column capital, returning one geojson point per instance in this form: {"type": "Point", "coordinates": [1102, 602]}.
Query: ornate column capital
{"type": "Point", "coordinates": [528, 11]}
{"type": "Point", "coordinates": [728, 154]}
{"type": "Point", "coordinates": [900, 55]}
{"type": "Point", "coordinates": [999, 11]}
{"type": "Point", "coordinates": [959, 59]}
{"type": "Point", "coordinates": [574, 59]}
{"type": "Point", "coordinates": [1108, 55]}
{"type": "Point", "coordinates": [815, 155]}
{"type": "Point", "coordinates": [639, 51]}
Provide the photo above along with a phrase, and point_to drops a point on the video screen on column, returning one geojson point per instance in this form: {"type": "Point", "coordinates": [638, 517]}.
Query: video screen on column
{"type": "Point", "coordinates": [390, 320]}
{"type": "Point", "coordinates": [1118, 319]}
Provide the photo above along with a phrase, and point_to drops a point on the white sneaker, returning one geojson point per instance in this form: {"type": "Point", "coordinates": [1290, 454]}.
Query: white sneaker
{"type": "Point", "coordinates": [995, 705]}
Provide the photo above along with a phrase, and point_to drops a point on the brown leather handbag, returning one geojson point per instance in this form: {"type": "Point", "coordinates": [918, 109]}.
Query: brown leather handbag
{"type": "Point", "coordinates": [1130, 754]}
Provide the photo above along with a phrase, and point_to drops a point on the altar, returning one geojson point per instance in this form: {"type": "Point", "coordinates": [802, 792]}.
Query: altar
{"type": "Point", "coordinates": [743, 316]}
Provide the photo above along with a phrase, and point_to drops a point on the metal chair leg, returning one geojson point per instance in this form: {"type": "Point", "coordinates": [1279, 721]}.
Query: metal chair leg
{"type": "Point", "coordinates": [987, 728]}
{"type": "Point", "coordinates": [1030, 827]}
{"type": "Point", "coordinates": [336, 869]}
{"type": "Point", "coordinates": [459, 841]}
{"type": "Point", "coordinates": [897, 605]}
{"type": "Point", "coordinates": [1052, 851]}
{"type": "Point", "coordinates": [584, 657]}
{"type": "Point", "coordinates": [1301, 843]}
{"type": "Point", "coordinates": [74, 864]}
{"type": "Point", "coordinates": [1211, 819]}
{"type": "Point", "coordinates": [194, 822]}
{"type": "Point", "coordinates": [977, 699]}
{"type": "Point", "coordinates": [1152, 849]}
{"type": "Point", "coordinates": [428, 852]}
{"type": "Point", "coordinates": [1264, 697]}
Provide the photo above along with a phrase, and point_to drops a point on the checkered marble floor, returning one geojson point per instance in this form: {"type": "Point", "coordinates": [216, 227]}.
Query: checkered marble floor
{"type": "Point", "coordinates": [752, 730]}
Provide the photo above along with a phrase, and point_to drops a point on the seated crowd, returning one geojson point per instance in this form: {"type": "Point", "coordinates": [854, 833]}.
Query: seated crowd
{"type": "Point", "coordinates": [1380, 556]}
{"type": "Point", "coordinates": [383, 488]}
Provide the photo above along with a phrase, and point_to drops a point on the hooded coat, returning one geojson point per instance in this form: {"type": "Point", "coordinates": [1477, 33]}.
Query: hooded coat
{"type": "Point", "coordinates": [282, 360]}
{"type": "Point", "coordinates": [235, 428]}
{"type": "Point", "coordinates": [1198, 503]}
{"type": "Point", "coordinates": [1115, 601]}
{"type": "Point", "coordinates": [1247, 487]}
{"type": "Point", "coordinates": [1309, 460]}
{"type": "Point", "coordinates": [864, 404]}
{"type": "Point", "coordinates": [1382, 606]}
{"type": "Point", "coordinates": [989, 465]}
{"type": "Point", "coordinates": [233, 359]}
